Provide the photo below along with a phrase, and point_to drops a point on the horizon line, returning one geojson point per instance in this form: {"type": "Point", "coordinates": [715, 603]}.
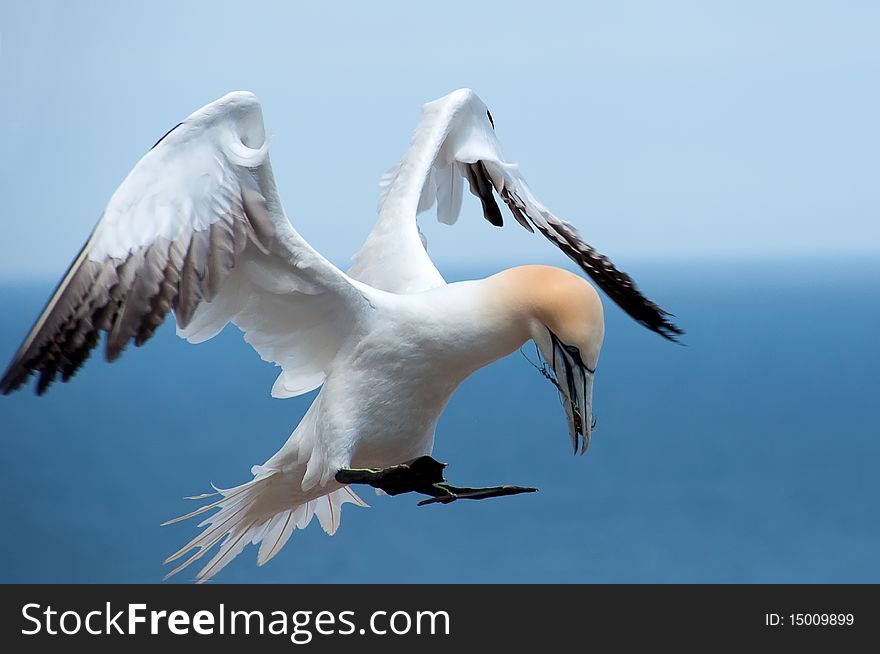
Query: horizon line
{"type": "Point", "coordinates": [721, 260]}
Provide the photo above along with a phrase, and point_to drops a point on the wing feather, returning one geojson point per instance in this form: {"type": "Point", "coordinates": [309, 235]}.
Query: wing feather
{"type": "Point", "coordinates": [191, 215]}
{"type": "Point", "coordinates": [456, 139]}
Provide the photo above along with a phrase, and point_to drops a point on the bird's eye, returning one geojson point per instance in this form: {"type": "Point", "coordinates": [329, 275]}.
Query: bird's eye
{"type": "Point", "coordinates": [571, 349]}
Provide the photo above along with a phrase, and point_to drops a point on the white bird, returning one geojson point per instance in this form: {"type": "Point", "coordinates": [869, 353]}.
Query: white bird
{"type": "Point", "coordinates": [198, 228]}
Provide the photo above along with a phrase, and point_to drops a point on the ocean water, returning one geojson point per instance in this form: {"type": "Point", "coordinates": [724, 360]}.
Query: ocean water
{"type": "Point", "coordinates": [750, 455]}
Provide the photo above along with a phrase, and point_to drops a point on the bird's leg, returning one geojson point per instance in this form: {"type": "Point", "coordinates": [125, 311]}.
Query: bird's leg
{"type": "Point", "coordinates": [417, 476]}
{"type": "Point", "coordinates": [422, 475]}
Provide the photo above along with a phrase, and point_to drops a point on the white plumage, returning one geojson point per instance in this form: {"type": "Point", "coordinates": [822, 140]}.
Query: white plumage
{"type": "Point", "coordinates": [198, 227]}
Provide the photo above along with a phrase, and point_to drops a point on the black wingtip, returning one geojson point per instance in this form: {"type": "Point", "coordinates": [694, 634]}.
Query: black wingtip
{"type": "Point", "coordinates": [47, 376]}
{"type": "Point", "coordinates": [648, 314]}
{"type": "Point", "coordinates": [668, 330]}
{"type": "Point", "coordinates": [618, 285]}
{"type": "Point", "coordinates": [14, 378]}
{"type": "Point", "coordinates": [481, 185]}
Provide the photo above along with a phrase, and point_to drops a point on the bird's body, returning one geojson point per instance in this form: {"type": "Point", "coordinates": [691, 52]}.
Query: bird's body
{"type": "Point", "coordinates": [380, 402]}
{"type": "Point", "coordinates": [198, 228]}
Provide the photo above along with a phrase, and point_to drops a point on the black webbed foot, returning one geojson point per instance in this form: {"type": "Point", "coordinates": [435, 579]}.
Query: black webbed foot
{"type": "Point", "coordinates": [445, 493]}
{"type": "Point", "coordinates": [423, 475]}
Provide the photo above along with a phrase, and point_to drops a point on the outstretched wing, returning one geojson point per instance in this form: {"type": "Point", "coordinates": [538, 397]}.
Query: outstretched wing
{"type": "Point", "coordinates": [197, 228]}
{"type": "Point", "coordinates": [454, 143]}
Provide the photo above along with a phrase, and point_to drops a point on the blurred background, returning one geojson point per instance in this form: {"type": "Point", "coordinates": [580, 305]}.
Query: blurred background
{"type": "Point", "coordinates": [725, 154]}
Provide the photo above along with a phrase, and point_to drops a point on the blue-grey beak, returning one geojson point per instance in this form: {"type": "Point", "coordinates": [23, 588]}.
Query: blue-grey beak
{"type": "Point", "coordinates": [574, 380]}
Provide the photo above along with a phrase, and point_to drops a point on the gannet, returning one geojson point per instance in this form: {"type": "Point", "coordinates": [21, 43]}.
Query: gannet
{"type": "Point", "coordinates": [197, 228]}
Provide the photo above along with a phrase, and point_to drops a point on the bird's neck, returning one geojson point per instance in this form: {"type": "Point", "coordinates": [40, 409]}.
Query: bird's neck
{"type": "Point", "coordinates": [467, 325]}
{"type": "Point", "coordinates": [493, 317]}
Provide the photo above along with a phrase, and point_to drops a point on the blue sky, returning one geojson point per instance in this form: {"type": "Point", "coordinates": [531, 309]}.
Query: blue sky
{"type": "Point", "coordinates": [674, 130]}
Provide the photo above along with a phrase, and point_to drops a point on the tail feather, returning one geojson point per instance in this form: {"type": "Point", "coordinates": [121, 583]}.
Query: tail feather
{"type": "Point", "coordinates": [329, 508]}
{"type": "Point", "coordinates": [258, 513]}
{"type": "Point", "coordinates": [232, 546]}
{"type": "Point", "coordinates": [276, 536]}
{"type": "Point", "coordinates": [207, 507]}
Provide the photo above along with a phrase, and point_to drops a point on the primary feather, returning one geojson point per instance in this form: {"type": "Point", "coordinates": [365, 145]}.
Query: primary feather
{"type": "Point", "coordinates": [455, 140]}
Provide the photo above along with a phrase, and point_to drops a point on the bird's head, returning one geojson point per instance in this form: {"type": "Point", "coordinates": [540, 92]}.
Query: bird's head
{"type": "Point", "coordinates": [565, 320]}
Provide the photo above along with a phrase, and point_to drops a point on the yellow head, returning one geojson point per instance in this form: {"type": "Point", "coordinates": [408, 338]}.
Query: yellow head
{"type": "Point", "coordinates": [563, 315]}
